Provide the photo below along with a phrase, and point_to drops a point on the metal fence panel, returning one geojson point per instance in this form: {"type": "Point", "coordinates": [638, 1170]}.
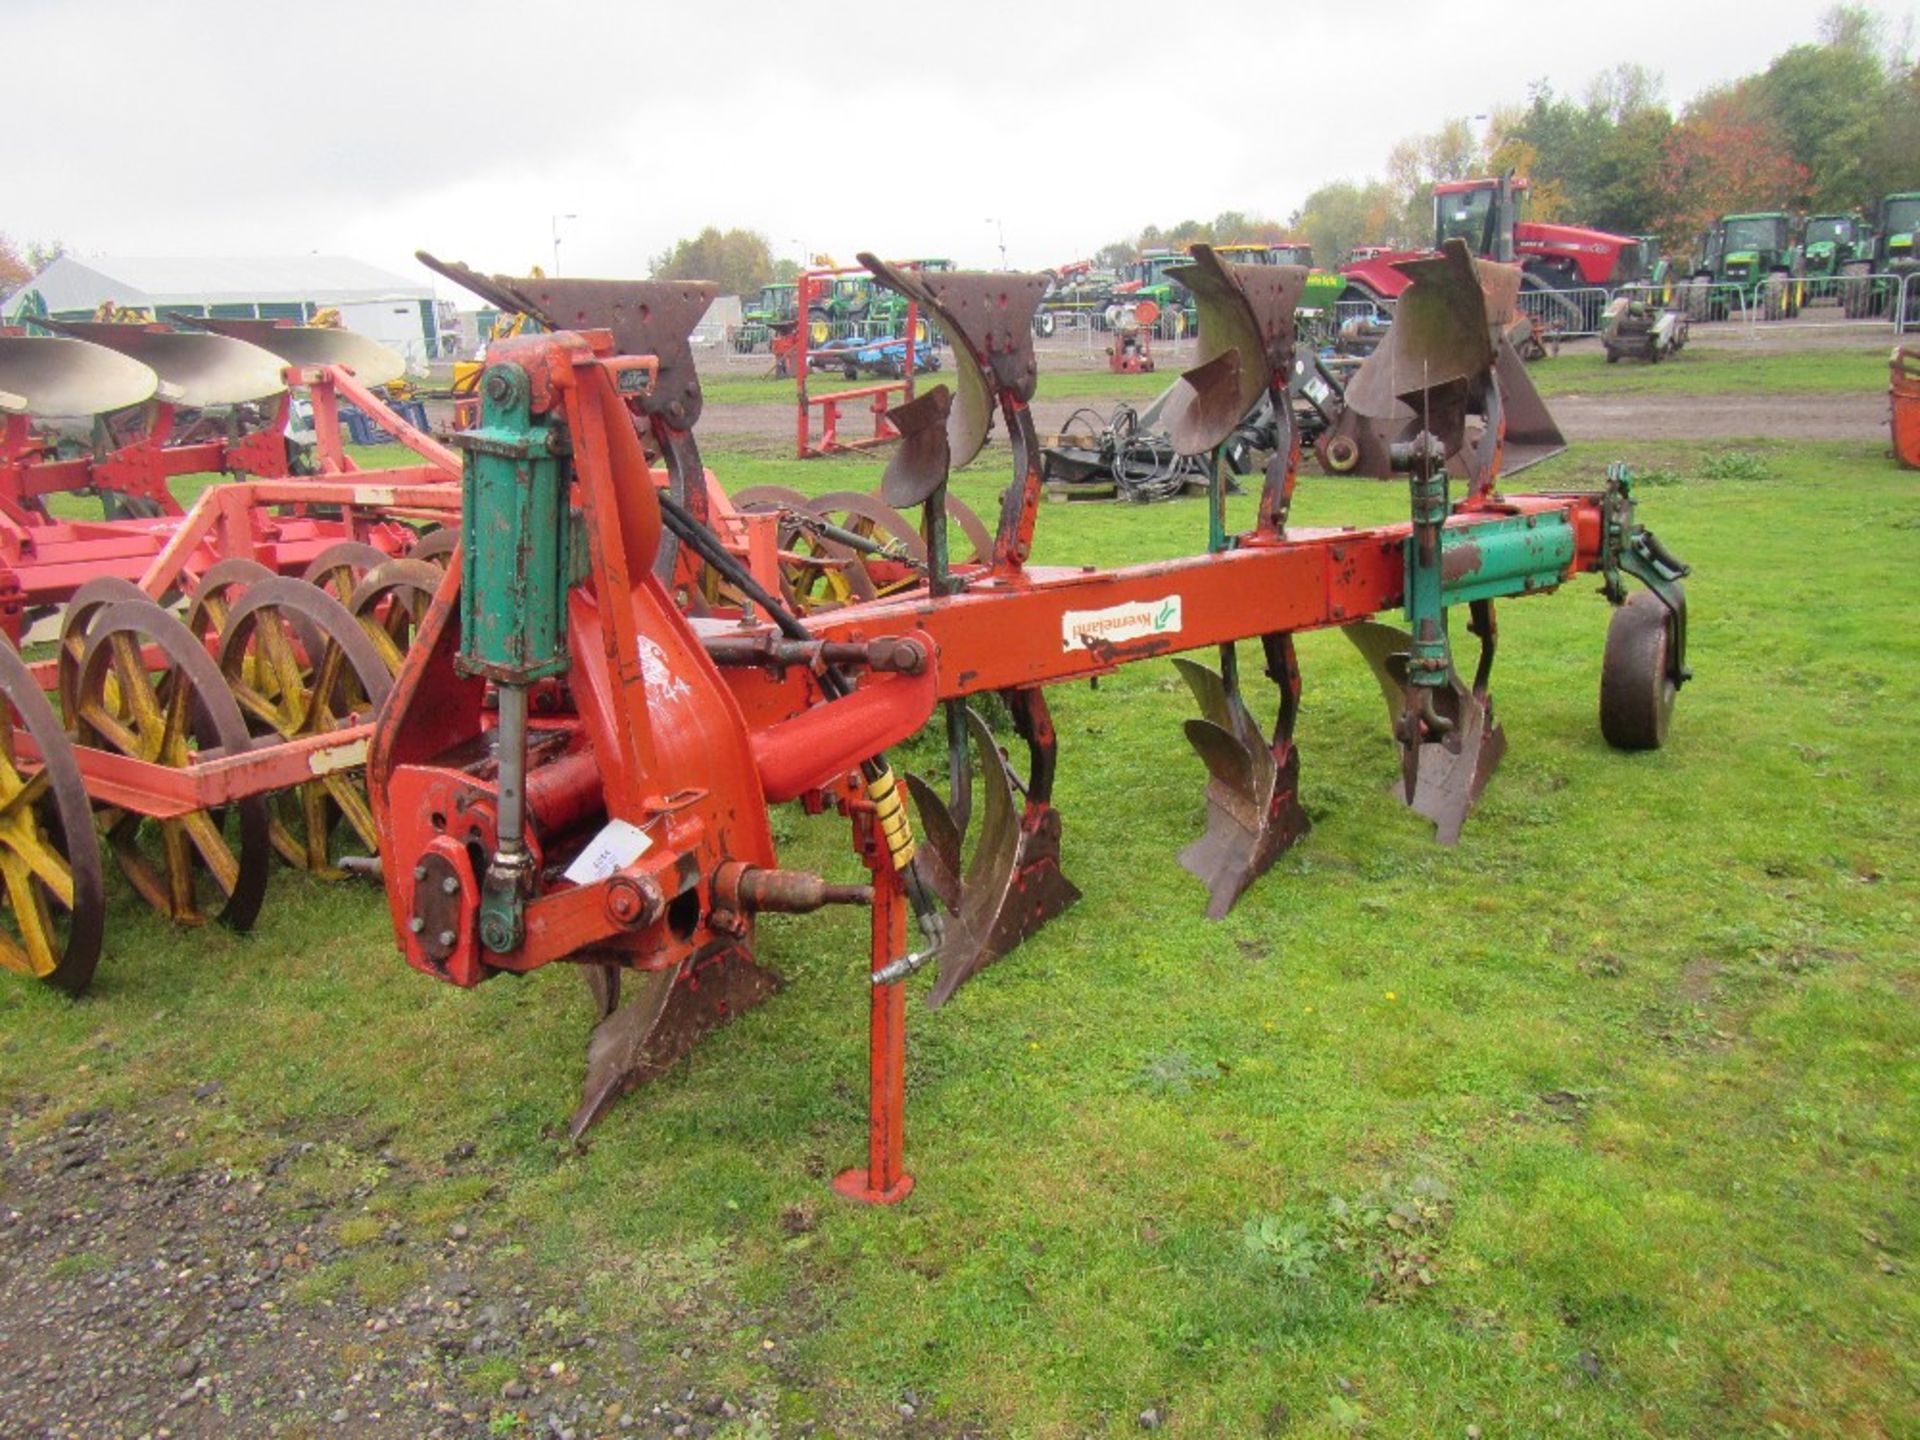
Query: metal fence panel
{"type": "Point", "coordinates": [1566, 314]}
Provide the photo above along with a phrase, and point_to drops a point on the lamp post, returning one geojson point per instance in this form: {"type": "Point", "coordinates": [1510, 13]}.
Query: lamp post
{"type": "Point", "coordinates": [556, 241]}
{"type": "Point", "coordinates": [1001, 230]}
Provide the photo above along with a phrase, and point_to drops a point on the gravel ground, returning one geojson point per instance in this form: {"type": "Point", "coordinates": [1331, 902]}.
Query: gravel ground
{"type": "Point", "coordinates": [141, 1299]}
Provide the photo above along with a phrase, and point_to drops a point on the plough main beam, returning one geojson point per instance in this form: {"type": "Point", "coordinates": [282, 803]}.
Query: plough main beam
{"type": "Point", "coordinates": [1057, 623]}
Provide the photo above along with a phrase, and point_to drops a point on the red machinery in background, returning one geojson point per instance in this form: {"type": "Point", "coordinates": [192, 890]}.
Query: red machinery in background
{"type": "Point", "coordinates": [816, 305]}
{"type": "Point", "coordinates": [188, 742]}
{"type": "Point", "coordinates": [1488, 215]}
{"type": "Point", "coordinates": [152, 405]}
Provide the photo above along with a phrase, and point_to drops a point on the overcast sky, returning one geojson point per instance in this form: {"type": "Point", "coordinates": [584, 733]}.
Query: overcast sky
{"type": "Point", "coordinates": [217, 128]}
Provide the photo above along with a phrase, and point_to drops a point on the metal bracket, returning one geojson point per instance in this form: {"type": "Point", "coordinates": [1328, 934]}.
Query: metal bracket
{"type": "Point", "coordinates": [1629, 548]}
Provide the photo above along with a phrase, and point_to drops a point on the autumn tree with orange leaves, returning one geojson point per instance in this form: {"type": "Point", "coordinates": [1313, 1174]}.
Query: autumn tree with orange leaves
{"type": "Point", "coordinates": [1726, 155]}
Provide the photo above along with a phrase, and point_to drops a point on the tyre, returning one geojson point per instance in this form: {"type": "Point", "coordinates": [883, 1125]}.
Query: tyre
{"type": "Point", "coordinates": [1637, 687]}
{"type": "Point", "coordinates": [1043, 324]}
{"type": "Point", "coordinates": [819, 326]}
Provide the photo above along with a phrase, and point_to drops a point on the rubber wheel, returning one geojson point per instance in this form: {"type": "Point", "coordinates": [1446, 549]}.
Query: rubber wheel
{"type": "Point", "coordinates": [1637, 688]}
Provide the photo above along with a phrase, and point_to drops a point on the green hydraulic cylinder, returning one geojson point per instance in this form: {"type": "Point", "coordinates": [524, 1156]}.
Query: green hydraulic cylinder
{"type": "Point", "coordinates": [515, 571]}
{"type": "Point", "coordinates": [515, 529]}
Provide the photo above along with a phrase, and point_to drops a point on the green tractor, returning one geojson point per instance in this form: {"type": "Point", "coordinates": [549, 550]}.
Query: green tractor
{"type": "Point", "coordinates": [772, 312]}
{"type": "Point", "coordinates": [1895, 257]}
{"type": "Point", "coordinates": [1323, 287]}
{"type": "Point", "coordinates": [1834, 246]}
{"type": "Point", "coordinates": [886, 312]}
{"type": "Point", "coordinates": [1752, 256]}
{"type": "Point", "coordinates": [838, 307]}
{"type": "Point", "coordinates": [1656, 271]}
{"type": "Point", "coordinates": [1147, 279]}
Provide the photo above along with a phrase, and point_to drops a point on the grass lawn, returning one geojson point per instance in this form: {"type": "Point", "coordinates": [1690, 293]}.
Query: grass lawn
{"type": "Point", "coordinates": [1599, 1124]}
{"type": "Point", "coordinates": [1583, 369]}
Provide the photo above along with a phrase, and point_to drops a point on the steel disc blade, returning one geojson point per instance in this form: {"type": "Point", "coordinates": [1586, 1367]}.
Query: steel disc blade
{"type": "Point", "coordinates": [60, 377]}
{"type": "Point", "coordinates": [195, 368]}
{"type": "Point", "coordinates": [371, 362]}
{"type": "Point", "coordinates": [920, 462]}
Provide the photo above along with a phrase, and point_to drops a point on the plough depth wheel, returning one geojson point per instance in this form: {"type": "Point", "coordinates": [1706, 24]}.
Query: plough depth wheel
{"type": "Point", "coordinates": [172, 709]}
{"type": "Point", "coordinates": [290, 689]}
{"type": "Point", "coordinates": [49, 856]}
{"type": "Point", "coordinates": [1637, 684]}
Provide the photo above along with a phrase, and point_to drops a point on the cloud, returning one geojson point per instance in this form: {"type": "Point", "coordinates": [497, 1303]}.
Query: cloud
{"type": "Point", "coordinates": [230, 128]}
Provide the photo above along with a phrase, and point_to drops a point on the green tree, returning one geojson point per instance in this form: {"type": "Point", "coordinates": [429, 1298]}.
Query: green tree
{"type": "Point", "coordinates": [1726, 154]}
{"type": "Point", "coordinates": [1826, 101]}
{"type": "Point", "coordinates": [738, 261]}
{"type": "Point", "coordinates": [1892, 156]}
{"type": "Point", "coordinates": [1346, 213]}
{"type": "Point", "coordinates": [14, 267]}
{"type": "Point", "coordinates": [1416, 164]}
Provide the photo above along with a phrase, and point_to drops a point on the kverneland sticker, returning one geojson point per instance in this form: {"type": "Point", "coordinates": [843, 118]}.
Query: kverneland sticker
{"type": "Point", "coordinates": [1117, 624]}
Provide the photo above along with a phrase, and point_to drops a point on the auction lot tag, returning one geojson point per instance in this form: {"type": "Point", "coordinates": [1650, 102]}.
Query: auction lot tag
{"type": "Point", "coordinates": [618, 845]}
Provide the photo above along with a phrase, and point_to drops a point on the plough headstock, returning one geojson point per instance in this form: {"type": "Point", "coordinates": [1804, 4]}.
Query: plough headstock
{"type": "Point", "coordinates": [645, 317]}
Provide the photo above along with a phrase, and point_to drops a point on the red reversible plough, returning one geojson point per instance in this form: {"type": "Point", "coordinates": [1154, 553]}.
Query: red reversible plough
{"type": "Point", "coordinates": [617, 680]}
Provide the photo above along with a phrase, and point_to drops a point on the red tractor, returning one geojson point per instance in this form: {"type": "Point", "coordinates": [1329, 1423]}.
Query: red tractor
{"type": "Point", "coordinates": [1489, 215]}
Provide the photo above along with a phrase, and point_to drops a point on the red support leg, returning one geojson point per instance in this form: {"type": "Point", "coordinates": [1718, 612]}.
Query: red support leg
{"type": "Point", "coordinates": [883, 1180]}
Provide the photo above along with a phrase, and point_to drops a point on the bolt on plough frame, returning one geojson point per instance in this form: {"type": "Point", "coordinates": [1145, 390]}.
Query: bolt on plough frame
{"type": "Point", "coordinates": [611, 689]}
